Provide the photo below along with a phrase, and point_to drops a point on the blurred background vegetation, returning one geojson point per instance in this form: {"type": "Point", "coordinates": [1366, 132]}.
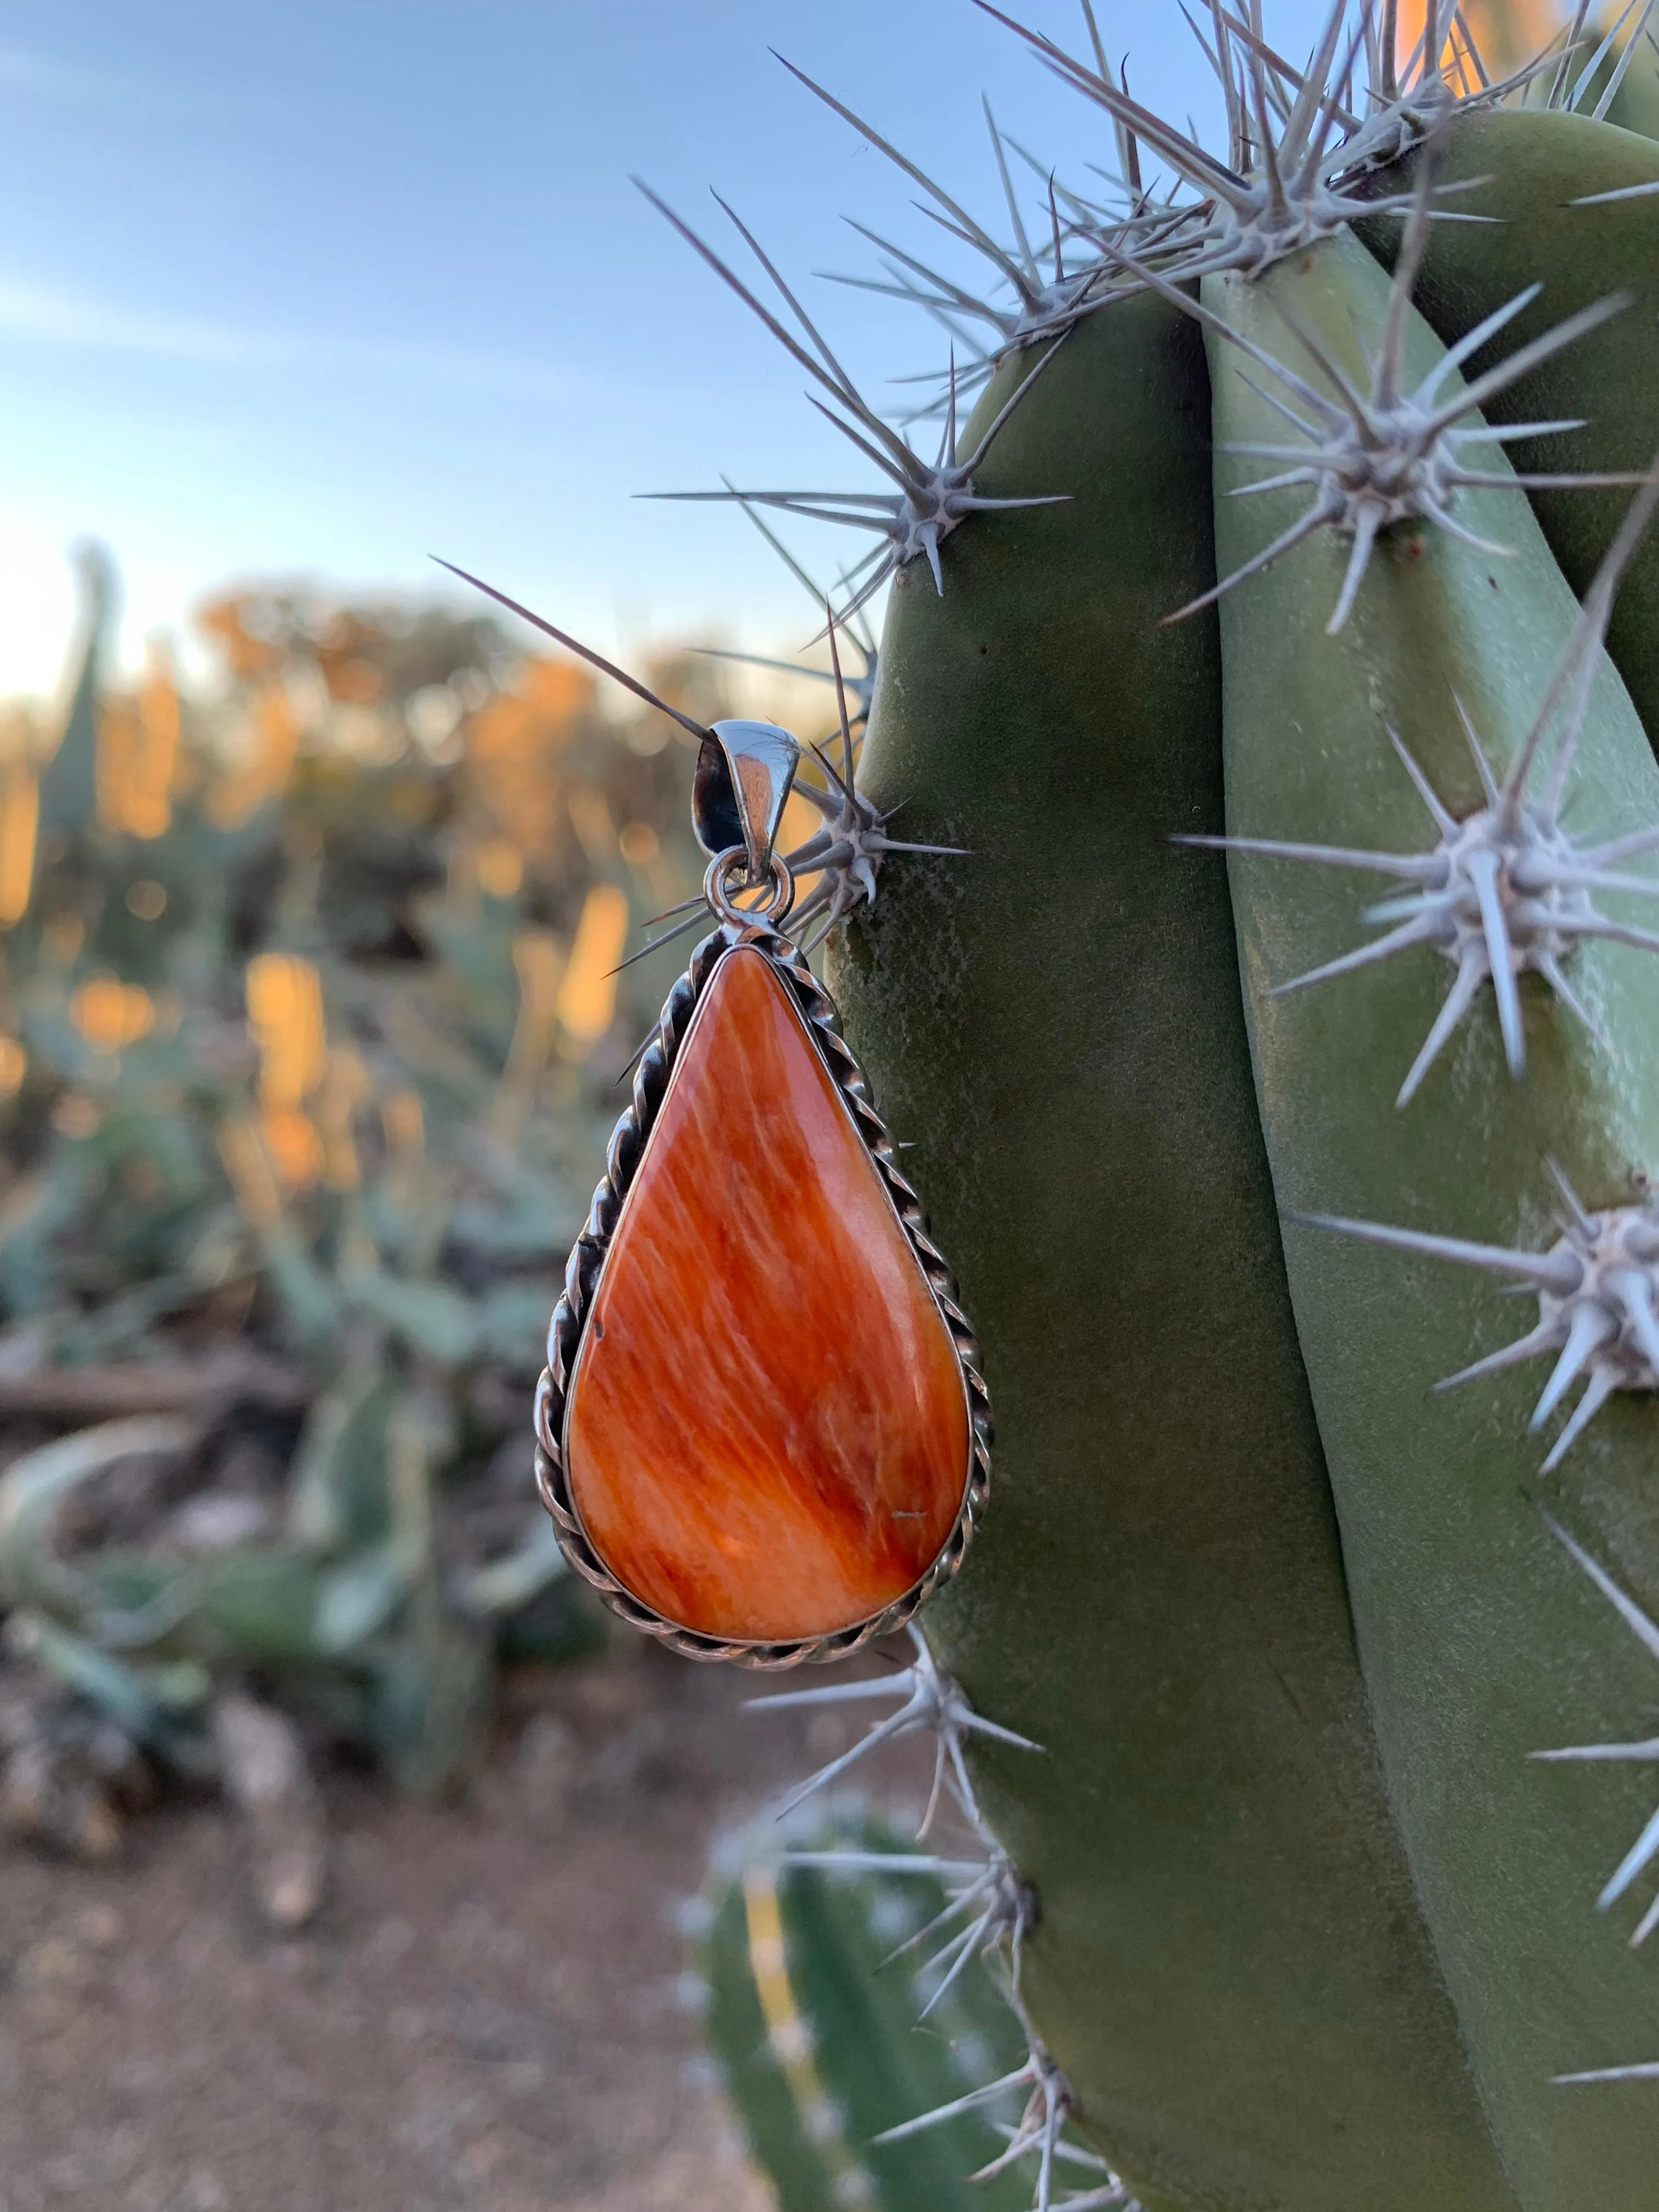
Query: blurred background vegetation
{"type": "Point", "coordinates": [311, 1037]}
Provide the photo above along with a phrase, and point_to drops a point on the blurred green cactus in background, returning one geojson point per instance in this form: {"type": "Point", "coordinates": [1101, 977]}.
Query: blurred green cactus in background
{"type": "Point", "coordinates": [309, 1026]}
{"type": "Point", "coordinates": [813, 1968]}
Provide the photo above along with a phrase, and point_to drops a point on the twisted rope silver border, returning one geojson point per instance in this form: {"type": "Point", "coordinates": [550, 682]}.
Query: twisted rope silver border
{"type": "Point", "coordinates": [587, 1255]}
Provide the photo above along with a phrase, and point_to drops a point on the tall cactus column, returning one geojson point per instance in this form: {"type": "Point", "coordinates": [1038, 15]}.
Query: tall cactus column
{"type": "Point", "coordinates": [1230, 1964]}
{"type": "Point", "coordinates": [1475, 1629]}
{"type": "Point", "coordinates": [1339, 1673]}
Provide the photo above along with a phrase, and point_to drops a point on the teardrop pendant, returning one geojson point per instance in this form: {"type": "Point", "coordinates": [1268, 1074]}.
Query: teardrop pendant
{"type": "Point", "coordinates": [763, 1434]}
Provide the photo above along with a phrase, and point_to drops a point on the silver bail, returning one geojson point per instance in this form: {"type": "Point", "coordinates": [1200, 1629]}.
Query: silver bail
{"type": "Point", "coordinates": [743, 774]}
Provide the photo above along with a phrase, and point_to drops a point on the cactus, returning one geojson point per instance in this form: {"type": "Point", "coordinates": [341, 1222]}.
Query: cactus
{"type": "Point", "coordinates": [808, 1958]}
{"type": "Point", "coordinates": [1337, 1677]}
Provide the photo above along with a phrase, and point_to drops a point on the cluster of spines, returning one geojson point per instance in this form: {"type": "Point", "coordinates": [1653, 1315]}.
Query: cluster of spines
{"type": "Point", "coordinates": [1597, 1289]}
{"type": "Point", "coordinates": [991, 1910]}
{"type": "Point", "coordinates": [1377, 456]}
{"type": "Point", "coordinates": [927, 501]}
{"type": "Point", "coordinates": [1506, 889]}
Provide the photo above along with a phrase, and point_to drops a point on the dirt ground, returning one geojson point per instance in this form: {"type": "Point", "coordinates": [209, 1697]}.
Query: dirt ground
{"type": "Point", "coordinates": [491, 2011]}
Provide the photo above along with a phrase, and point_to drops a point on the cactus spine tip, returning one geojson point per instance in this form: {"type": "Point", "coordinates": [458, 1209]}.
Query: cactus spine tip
{"type": "Point", "coordinates": [929, 499]}
{"type": "Point", "coordinates": [1506, 891]}
{"type": "Point", "coordinates": [1597, 1288]}
{"type": "Point", "coordinates": [1645, 1849]}
{"type": "Point", "coordinates": [933, 1701]}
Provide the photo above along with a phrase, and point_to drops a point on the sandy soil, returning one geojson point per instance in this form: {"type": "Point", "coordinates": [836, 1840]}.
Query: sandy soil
{"type": "Point", "coordinates": [490, 2011]}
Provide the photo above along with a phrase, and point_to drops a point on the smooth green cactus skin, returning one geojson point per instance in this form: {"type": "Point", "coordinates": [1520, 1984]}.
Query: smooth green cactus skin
{"type": "Point", "coordinates": [1537, 165]}
{"type": "Point", "coordinates": [819, 2049]}
{"type": "Point", "coordinates": [1231, 1966]}
{"type": "Point", "coordinates": [1481, 1641]}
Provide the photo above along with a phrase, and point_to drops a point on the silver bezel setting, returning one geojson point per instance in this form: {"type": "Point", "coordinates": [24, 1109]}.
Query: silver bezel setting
{"type": "Point", "coordinates": [587, 1262]}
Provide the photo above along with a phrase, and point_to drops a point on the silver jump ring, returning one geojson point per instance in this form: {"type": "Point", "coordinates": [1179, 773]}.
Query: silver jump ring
{"type": "Point", "coordinates": [728, 872]}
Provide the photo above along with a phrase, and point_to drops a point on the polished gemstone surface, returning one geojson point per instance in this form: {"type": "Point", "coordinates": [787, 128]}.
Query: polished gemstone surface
{"type": "Point", "coordinates": [767, 1434]}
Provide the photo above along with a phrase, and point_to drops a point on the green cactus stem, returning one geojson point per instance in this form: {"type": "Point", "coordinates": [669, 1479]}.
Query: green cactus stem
{"type": "Point", "coordinates": [1463, 1608]}
{"type": "Point", "coordinates": [1229, 1966]}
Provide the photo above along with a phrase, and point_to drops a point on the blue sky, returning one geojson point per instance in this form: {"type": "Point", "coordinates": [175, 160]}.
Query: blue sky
{"type": "Point", "coordinates": [324, 287]}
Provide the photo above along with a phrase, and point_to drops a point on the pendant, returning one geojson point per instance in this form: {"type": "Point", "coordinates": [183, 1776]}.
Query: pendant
{"type": "Point", "coordinates": [763, 1434]}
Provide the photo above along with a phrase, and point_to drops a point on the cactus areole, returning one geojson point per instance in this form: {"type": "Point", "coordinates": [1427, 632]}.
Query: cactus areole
{"type": "Point", "coordinates": [1298, 999]}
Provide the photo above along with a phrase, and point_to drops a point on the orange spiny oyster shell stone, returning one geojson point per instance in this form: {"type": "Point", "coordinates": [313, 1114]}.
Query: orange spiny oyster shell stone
{"type": "Point", "coordinates": [767, 1436]}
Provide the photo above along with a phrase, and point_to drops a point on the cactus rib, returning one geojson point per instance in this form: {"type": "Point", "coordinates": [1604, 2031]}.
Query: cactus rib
{"type": "Point", "coordinates": [1460, 1628]}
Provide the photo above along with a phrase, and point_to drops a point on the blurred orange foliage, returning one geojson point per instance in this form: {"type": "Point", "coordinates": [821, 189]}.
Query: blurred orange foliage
{"type": "Point", "coordinates": [137, 761]}
{"type": "Point", "coordinates": [345, 1087]}
{"type": "Point", "coordinates": [20, 819]}
{"type": "Point", "coordinates": [109, 1014]}
{"type": "Point", "coordinates": [274, 729]}
{"type": "Point", "coordinates": [587, 996]}
{"type": "Point", "coordinates": [286, 1021]}
{"type": "Point", "coordinates": [1508, 32]}
{"type": "Point", "coordinates": [511, 745]}
{"type": "Point", "coordinates": [226, 621]}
